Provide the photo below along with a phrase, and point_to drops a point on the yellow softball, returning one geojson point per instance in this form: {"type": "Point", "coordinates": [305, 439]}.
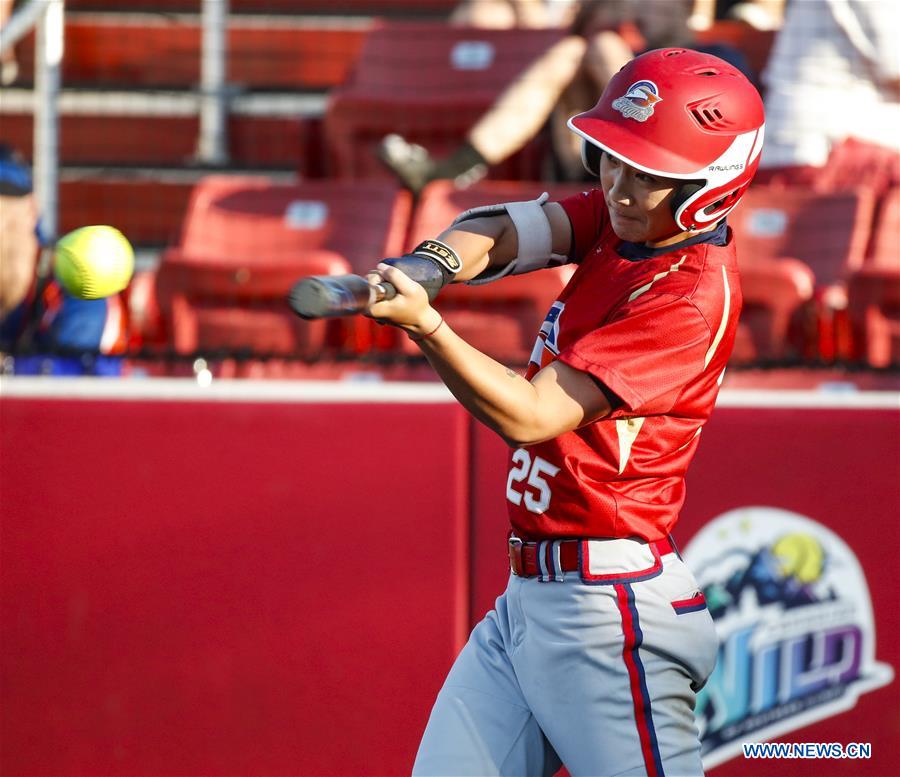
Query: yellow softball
{"type": "Point", "coordinates": [93, 262]}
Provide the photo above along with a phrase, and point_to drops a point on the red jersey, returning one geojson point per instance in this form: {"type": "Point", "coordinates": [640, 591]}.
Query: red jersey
{"type": "Point", "coordinates": [656, 331]}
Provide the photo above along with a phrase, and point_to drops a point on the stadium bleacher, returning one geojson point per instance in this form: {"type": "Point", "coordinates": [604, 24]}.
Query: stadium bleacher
{"type": "Point", "coordinates": [298, 52]}
{"type": "Point", "coordinates": [458, 73]}
{"type": "Point", "coordinates": [829, 232]}
{"type": "Point", "coordinates": [776, 293]}
{"type": "Point", "coordinates": [824, 236]}
{"type": "Point", "coordinates": [314, 86]}
{"type": "Point", "coordinates": [244, 243]}
{"type": "Point", "coordinates": [874, 309]}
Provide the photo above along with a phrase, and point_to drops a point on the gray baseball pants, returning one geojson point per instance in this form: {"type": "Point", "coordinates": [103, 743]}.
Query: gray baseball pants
{"type": "Point", "coordinates": [596, 669]}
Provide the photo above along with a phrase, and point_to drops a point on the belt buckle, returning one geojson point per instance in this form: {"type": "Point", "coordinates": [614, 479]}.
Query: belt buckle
{"type": "Point", "coordinates": [515, 556]}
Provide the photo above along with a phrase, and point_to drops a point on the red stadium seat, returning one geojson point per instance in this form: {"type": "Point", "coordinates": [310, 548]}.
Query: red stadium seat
{"type": "Point", "coordinates": [774, 293]}
{"type": "Point", "coordinates": [280, 54]}
{"type": "Point", "coordinates": [215, 304]}
{"type": "Point", "coordinates": [147, 209]}
{"type": "Point", "coordinates": [256, 220]}
{"type": "Point", "coordinates": [852, 162]}
{"type": "Point", "coordinates": [154, 139]}
{"type": "Point", "coordinates": [873, 300]}
{"type": "Point", "coordinates": [828, 232]}
{"type": "Point", "coordinates": [885, 246]}
{"type": "Point", "coordinates": [245, 242]}
{"type": "Point", "coordinates": [502, 319]}
{"type": "Point", "coordinates": [429, 83]}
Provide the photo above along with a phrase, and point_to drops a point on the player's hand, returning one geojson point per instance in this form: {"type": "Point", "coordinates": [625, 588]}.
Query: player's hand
{"type": "Point", "coordinates": [410, 309]}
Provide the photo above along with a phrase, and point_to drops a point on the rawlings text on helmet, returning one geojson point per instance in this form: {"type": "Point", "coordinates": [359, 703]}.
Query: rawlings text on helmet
{"type": "Point", "coordinates": [637, 103]}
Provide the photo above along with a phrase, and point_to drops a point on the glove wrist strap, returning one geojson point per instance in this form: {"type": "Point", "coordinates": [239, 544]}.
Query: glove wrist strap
{"type": "Point", "coordinates": [442, 254]}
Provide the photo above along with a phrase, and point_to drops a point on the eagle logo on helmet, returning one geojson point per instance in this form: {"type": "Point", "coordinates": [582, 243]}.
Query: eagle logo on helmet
{"type": "Point", "coordinates": [638, 102]}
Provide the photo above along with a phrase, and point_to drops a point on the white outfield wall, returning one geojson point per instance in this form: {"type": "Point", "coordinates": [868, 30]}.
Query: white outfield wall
{"type": "Point", "coordinates": [182, 389]}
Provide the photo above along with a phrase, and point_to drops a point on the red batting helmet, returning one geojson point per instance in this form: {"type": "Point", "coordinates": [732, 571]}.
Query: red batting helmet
{"type": "Point", "coordinates": [677, 113]}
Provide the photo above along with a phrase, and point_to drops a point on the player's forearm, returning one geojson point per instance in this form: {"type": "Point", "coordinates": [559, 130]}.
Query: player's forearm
{"type": "Point", "coordinates": [481, 243]}
{"type": "Point", "coordinates": [497, 396]}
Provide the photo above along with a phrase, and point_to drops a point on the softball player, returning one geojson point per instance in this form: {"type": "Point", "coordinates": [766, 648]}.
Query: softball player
{"type": "Point", "coordinates": [594, 652]}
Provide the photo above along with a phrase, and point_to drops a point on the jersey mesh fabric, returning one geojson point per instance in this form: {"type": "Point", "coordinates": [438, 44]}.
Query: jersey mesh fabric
{"type": "Point", "coordinates": [657, 332]}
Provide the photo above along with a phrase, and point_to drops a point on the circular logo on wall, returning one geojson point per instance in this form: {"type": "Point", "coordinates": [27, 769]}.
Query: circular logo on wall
{"type": "Point", "coordinates": [794, 619]}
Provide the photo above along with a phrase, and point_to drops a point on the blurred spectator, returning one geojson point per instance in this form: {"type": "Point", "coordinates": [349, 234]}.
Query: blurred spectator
{"type": "Point", "coordinates": [41, 327]}
{"type": "Point", "coordinates": [572, 73]}
{"type": "Point", "coordinates": [834, 74]}
{"type": "Point", "coordinates": [761, 14]}
{"type": "Point", "coordinates": [9, 67]}
{"type": "Point", "coordinates": [18, 237]}
{"type": "Point", "coordinates": [566, 80]}
{"type": "Point", "coordinates": [504, 14]}
{"type": "Point", "coordinates": [666, 24]}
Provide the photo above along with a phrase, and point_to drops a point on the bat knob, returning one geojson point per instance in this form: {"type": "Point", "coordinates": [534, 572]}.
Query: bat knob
{"type": "Point", "coordinates": [384, 291]}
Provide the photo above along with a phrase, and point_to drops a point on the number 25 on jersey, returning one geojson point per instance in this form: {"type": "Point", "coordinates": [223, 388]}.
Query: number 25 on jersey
{"type": "Point", "coordinates": [533, 470]}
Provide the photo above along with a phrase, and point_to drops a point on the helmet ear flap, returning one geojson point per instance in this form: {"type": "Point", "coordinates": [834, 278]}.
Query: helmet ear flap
{"type": "Point", "coordinates": [684, 193]}
{"type": "Point", "coordinates": [590, 157]}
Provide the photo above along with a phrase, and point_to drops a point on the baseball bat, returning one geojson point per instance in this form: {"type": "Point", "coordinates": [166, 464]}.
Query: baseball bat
{"type": "Point", "coordinates": [329, 296]}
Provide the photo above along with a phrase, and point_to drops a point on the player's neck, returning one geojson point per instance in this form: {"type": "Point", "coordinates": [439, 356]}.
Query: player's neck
{"type": "Point", "coordinates": [678, 237]}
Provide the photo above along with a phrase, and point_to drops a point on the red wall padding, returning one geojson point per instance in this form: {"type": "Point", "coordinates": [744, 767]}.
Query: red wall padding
{"type": "Point", "coordinates": [248, 588]}
{"type": "Point", "coordinates": [203, 588]}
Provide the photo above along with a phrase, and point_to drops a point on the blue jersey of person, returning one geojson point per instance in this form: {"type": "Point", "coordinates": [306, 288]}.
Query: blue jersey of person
{"type": "Point", "coordinates": [50, 332]}
{"type": "Point", "coordinates": [70, 336]}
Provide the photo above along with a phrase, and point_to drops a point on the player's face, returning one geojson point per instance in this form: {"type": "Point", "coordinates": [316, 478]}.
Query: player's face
{"type": "Point", "coordinates": [638, 203]}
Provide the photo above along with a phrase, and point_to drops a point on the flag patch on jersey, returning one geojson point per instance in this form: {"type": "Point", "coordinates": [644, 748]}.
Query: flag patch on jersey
{"type": "Point", "coordinates": [546, 347]}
